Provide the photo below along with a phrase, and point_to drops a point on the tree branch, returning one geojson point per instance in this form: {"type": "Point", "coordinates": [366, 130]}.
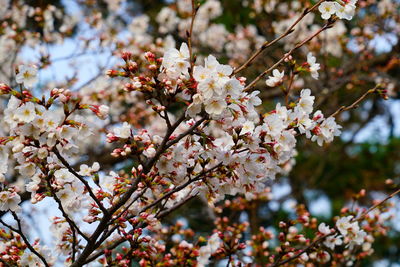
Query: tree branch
{"type": "Point", "coordinates": [26, 241]}
{"type": "Point", "coordinates": [355, 104]}
{"type": "Point", "coordinates": [81, 178]}
{"type": "Point", "coordinates": [328, 25]}
{"type": "Point", "coordinates": [267, 44]}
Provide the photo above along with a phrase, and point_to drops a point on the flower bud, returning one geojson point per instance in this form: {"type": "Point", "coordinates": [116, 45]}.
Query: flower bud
{"type": "Point", "coordinates": [126, 56]}
{"type": "Point", "coordinates": [4, 89]}
{"type": "Point", "coordinates": [112, 73]}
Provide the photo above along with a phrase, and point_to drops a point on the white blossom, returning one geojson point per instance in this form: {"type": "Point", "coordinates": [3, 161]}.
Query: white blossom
{"type": "Point", "coordinates": [332, 241]}
{"type": "Point", "coordinates": [215, 106]}
{"type": "Point", "coordinates": [327, 9]}
{"type": "Point", "coordinates": [324, 229]}
{"type": "Point", "coordinates": [124, 131]}
{"type": "Point", "coordinates": [27, 75]}
{"type": "Point", "coordinates": [347, 10]}
{"type": "Point", "coordinates": [26, 112]}
{"type": "Point", "coordinates": [275, 79]}
{"type": "Point", "coordinates": [9, 201]}
{"type": "Point", "coordinates": [314, 67]}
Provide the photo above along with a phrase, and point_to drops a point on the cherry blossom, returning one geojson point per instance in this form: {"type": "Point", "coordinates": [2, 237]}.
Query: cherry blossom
{"type": "Point", "coordinates": [9, 200]}
{"type": "Point", "coordinates": [27, 75]}
{"type": "Point", "coordinates": [327, 9]}
{"type": "Point", "coordinates": [314, 67]}
{"type": "Point", "coordinates": [180, 115]}
{"type": "Point", "coordinates": [276, 79]}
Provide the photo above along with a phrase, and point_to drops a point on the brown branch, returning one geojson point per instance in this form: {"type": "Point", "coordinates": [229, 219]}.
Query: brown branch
{"type": "Point", "coordinates": [182, 186]}
{"type": "Point", "coordinates": [113, 245]}
{"type": "Point", "coordinates": [161, 149]}
{"type": "Point", "coordinates": [102, 226]}
{"type": "Point", "coordinates": [309, 247]}
{"type": "Point", "coordinates": [267, 44]}
{"type": "Point", "coordinates": [71, 223]}
{"type": "Point", "coordinates": [355, 104]}
{"type": "Point", "coordinates": [160, 215]}
{"type": "Point", "coordinates": [189, 36]}
{"type": "Point", "coordinates": [119, 241]}
{"type": "Point", "coordinates": [177, 189]}
{"type": "Point", "coordinates": [128, 206]}
{"type": "Point", "coordinates": [328, 25]}
{"type": "Point", "coordinates": [81, 178]}
{"type": "Point", "coordinates": [289, 88]}
{"type": "Point", "coordinates": [362, 216]}
{"type": "Point", "coordinates": [175, 207]}
{"type": "Point", "coordinates": [26, 241]}
{"type": "Point", "coordinates": [187, 132]}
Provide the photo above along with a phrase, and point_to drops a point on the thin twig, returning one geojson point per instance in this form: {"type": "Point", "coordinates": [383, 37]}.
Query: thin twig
{"type": "Point", "coordinates": [103, 224]}
{"type": "Point", "coordinates": [26, 241]}
{"type": "Point", "coordinates": [161, 149]}
{"type": "Point", "coordinates": [268, 44]}
{"type": "Point", "coordinates": [289, 88]}
{"type": "Point", "coordinates": [128, 206]}
{"type": "Point", "coordinates": [119, 241]}
{"type": "Point", "coordinates": [189, 37]}
{"type": "Point", "coordinates": [71, 223]}
{"type": "Point", "coordinates": [188, 131]}
{"type": "Point", "coordinates": [309, 247]}
{"type": "Point", "coordinates": [175, 207]}
{"type": "Point", "coordinates": [362, 216]}
{"type": "Point", "coordinates": [160, 215]}
{"type": "Point", "coordinates": [81, 178]}
{"type": "Point", "coordinates": [328, 25]}
{"type": "Point", "coordinates": [355, 104]}
{"type": "Point", "coordinates": [229, 261]}
{"type": "Point", "coordinates": [182, 186]}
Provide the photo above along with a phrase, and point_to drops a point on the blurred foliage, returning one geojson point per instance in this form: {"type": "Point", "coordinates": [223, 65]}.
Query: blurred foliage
{"type": "Point", "coordinates": [345, 168]}
{"type": "Point", "coordinates": [35, 23]}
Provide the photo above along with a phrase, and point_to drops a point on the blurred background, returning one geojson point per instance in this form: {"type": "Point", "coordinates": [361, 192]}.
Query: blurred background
{"type": "Point", "coordinates": [75, 41]}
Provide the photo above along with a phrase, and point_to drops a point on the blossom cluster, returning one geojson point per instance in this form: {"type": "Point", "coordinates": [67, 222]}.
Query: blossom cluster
{"type": "Point", "coordinates": [342, 9]}
{"type": "Point", "coordinates": [310, 66]}
{"type": "Point", "coordinates": [183, 125]}
{"type": "Point", "coordinates": [349, 231]}
{"type": "Point", "coordinates": [41, 133]}
{"type": "Point", "coordinates": [36, 131]}
{"type": "Point", "coordinates": [302, 239]}
{"type": "Point", "coordinates": [252, 149]}
{"type": "Point", "coordinates": [213, 243]}
{"type": "Point", "coordinates": [237, 44]}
